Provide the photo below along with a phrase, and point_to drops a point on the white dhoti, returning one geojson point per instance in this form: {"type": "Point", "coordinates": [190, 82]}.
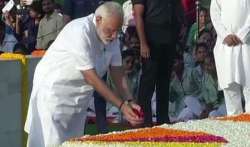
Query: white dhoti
{"type": "Point", "coordinates": [49, 124]}
{"type": "Point", "coordinates": [233, 99]}
{"type": "Point", "coordinates": [232, 62]}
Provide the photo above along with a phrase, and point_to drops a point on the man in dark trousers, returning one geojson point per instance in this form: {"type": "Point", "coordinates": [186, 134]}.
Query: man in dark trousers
{"type": "Point", "coordinates": [73, 9]}
{"type": "Point", "coordinates": [157, 22]}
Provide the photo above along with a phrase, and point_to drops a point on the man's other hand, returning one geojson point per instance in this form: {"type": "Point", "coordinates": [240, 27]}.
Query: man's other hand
{"type": "Point", "coordinates": [232, 40]}
{"type": "Point", "coordinates": [145, 51]}
{"type": "Point", "coordinates": [130, 115]}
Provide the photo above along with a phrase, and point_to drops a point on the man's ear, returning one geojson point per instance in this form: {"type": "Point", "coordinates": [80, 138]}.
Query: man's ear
{"type": "Point", "coordinates": [98, 20]}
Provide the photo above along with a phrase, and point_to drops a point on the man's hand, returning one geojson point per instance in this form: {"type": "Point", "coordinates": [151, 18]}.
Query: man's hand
{"type": "Point", "coordinates": [145, 51]}
{"type": "Point", "coordinates": [232, 40]}
{"type": "Point", "coordinates": [137, 109]}
{"type": "Point", "coordinates": [130, 115]}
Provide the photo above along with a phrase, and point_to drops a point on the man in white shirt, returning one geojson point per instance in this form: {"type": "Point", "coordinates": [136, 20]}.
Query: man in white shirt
{"type": "Point", "coordinates": [69, 72]}
{"type": "Point", "coordinates": [231, 20]}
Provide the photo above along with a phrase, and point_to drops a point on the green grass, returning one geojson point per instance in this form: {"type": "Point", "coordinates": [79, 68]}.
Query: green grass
{"type": "Point", "coordinates": [90, 129]}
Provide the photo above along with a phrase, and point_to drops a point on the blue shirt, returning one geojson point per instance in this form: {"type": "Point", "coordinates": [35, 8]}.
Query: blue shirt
{"type": "Point", "coordinates": [8, 43]}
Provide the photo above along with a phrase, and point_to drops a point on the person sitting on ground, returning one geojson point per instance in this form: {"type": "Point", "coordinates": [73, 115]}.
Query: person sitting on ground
{"type": "Point", "coordinates": [184, 84]}
{"type": "Point", "coordinates": [206, 37]}
{"type": "Point", "coordinates": [213, 100]}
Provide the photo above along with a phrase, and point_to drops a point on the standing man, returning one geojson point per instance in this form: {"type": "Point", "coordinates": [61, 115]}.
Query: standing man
{"type": "Point", "coordinates": [73, 9]}
{"type": "Point", "coordinates": [49, 26]}
{"type": "Point", "coordinates": [157, 22]}
{"type": "Point", "coordinates": [67, 75]}
{"type": "Point", "coordinates": [231, 20]}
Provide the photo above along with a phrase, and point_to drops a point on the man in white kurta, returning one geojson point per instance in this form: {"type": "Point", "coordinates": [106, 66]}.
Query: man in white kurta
{"type": "Point", "coordinates": [66, 76]}
{"type": "Point", "coordinates": [231, 19]}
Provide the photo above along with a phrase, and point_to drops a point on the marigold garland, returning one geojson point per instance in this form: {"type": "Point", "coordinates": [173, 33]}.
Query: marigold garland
{"type": "Point", "coordinates": [140, 144]}
{"type": "Point", "coordinates": [156, 134]}
{"type": "Point", "coordinates": [235, 129]}
{"type": "Point", "coordinates": [38, 53]}
{"type": "Point", "coordinates": [241, 118]}
{"type": "Point", "coordinates": [24, 84]}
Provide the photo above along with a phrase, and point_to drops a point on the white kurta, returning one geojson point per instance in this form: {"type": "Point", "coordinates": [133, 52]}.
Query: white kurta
{"type": "Point", "coordinates": [128, 18]}
{"type": "Point", "coordinates": [60, 94]}
{"type": "Point", "coordinates": [232, 63]}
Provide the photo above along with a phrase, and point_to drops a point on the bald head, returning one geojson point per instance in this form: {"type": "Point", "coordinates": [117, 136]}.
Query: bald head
{"type": "Point", "coordinates": [110, 9]}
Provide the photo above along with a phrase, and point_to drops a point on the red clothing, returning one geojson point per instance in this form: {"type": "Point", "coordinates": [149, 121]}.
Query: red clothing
{"type": "Point", "coordinates": [189, 10]}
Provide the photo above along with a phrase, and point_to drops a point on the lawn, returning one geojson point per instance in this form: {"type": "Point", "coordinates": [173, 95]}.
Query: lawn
{"type": "Point", "coordinates": [90, 128]}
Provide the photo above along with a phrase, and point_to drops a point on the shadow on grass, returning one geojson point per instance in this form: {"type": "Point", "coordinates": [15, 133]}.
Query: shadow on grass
{"type": "Point", "coordinates": [90, 128]}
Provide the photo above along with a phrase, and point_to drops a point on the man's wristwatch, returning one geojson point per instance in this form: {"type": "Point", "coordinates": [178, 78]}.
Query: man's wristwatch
{"type": "Point", "coordinates": [126, 102]}
{"type": "Point", "coordinates": [123, 103]}
{"type": "Point", "coordinates": [130, 100]}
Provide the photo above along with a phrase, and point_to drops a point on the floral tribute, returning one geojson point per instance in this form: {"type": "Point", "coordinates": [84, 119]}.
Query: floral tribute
{"type": "Point", "coordinates": [156, 134]}
{"type": "Point", "coordinates": [230, 131]}
{"type": "Point", "coordinates": [38, 53]}
{"type": "Point", "coordinates": [239, 118]}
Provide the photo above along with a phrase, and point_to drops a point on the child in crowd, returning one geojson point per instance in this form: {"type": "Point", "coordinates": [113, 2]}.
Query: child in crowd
{"type": "Point", "coordinates": [131, 40]}
{"type": "Point", "coordinates": [206, 37]}
{"type": "Point", "coordinates": [213, 101]}
{"type": "Point", "coordinates": [131, 72]}
{"type": "Point", "coordinates": [184, 84]}
{"type": "Point", "coordinates": [200, 53]}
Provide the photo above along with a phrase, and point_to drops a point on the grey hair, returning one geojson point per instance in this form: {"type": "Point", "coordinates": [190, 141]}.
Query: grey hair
{"type": "Point", "coordinates": [109, 9]}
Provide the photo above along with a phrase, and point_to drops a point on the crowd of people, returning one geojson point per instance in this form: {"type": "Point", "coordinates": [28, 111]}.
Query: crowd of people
{"type": "Point", "coordinates": [35, 26]}
{"type": "Point", "coordinates": [190, 55]}
{"type": "Point", "coordinates": [182, 58]}
{"type": "Point", "coordinates": [167, 53]}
